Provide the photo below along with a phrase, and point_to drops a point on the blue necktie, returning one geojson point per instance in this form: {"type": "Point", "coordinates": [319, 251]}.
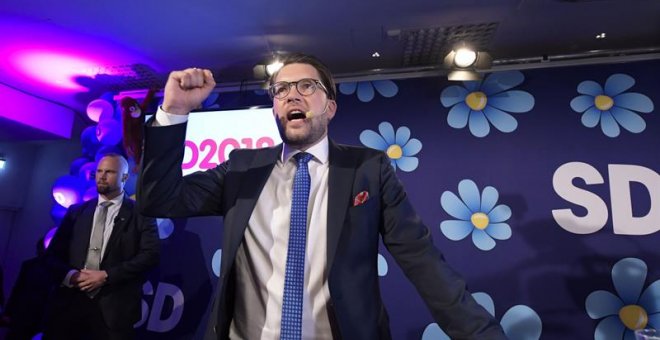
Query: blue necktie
{"type": "Point", "coordinates": [294, 276]}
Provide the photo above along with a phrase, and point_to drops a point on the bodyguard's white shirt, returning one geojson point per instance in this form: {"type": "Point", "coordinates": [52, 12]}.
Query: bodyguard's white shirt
{"type": "Point", "coordinates": [261, 259]}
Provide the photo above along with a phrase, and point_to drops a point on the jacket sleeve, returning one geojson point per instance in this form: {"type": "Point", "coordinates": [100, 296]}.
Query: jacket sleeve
{"type": "Point", "coordinates": [163, 191]}
{"type": "Point", "coordinates": [443, 290]}
{"type": "Point", "coordinates": [146, 257]}
{"type": "Point", "coordinates": [57, 253]}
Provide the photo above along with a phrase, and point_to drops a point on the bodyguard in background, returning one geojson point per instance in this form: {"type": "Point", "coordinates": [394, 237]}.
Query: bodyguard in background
{"type": "Point", "coordinates": [99, 254]}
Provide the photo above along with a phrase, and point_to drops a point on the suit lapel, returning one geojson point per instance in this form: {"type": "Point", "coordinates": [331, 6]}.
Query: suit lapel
{"type": "Point", "coordinates": [251, 185]}
{"type": "Point", "coordinates": [340, 182]}
{"type": "Point", "coordinates": [120, 223]}
{"type": "Point", "coordinates": [86, 222]}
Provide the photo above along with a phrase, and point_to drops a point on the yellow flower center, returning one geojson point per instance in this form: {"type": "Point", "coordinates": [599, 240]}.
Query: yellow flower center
{"type": "Point", "coordinates": [634, 317]}
{"type": "Point", "coordinates": [603, 102]}
{"type": "Point", "coordinates": [476, 100]}
{"type": "Point", "coordinates": [394, 151]}
{"type": "Point", "coordinates": [479, 220]}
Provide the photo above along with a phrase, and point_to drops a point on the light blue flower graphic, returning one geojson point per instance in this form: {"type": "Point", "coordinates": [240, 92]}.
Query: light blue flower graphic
{"type": "Point", "coordinates": [365, 89]}
{"type": "Point", "coordinates": [519, 322]}
{"type": "Point", "coordinates": [611, 106]}
{"type": "Point", "coordinates": [481, 103]}
{"type": "Point", "coordinates": [216, 261]}
{"type": "Point", "coordinates": [382, 265]}
{"type": "Point", "coordinates": [476, 214]}
{"type": "Point", "coordinates": [400, 148]}
{"type": "Point", "coordinates": [632, 309]}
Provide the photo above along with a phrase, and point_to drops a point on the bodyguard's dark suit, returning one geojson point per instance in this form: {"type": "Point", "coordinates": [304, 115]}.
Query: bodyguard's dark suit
{"type": "Point", "coordinates": [132, 249]}
{"type": "Point", "coordinates": [356, 308]}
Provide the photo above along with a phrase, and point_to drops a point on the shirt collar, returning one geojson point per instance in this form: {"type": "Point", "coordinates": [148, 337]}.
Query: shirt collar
{"type": "Point", "coordinates": [115, 201]}
{"type": "Point", "coordinates": [318, 150]}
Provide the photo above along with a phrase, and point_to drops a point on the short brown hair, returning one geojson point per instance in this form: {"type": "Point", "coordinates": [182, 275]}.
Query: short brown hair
{"type": "Point", "coordinates": [324, 71]}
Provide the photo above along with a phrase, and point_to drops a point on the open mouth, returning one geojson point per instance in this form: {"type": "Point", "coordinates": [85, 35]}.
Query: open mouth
{"type": "Point", "coordinates": [296, 114]}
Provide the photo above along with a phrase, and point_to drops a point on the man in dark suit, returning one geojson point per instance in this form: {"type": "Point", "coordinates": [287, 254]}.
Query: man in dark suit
{"type": "Point", "coordinates": [351, 199]}
{"type": "Point", "coordinates": [29, 297]}
{"type": "Point", "coordinates": [98, 255]}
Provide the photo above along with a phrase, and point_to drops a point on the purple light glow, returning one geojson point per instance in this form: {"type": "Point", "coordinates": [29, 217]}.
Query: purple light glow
{"type": "Point", "coordinates": [49, 237]}
{"type": "Point", "coordinates": [54, 68]}
{"type": "Point", "coordinates": [52, 56]}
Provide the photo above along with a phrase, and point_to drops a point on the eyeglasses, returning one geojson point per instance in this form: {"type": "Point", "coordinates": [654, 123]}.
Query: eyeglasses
{"type": "Point", "coordinates": [305, 87]}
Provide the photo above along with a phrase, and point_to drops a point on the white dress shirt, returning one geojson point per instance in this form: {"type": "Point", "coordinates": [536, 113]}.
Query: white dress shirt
{"type": "Point", "coordinates": [261, 259]}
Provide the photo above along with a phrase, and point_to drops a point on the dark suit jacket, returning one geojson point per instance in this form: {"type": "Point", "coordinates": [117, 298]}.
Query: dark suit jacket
{"type": "Point", "coordinates": [133, 248]}
{"type": "Point", "coordinates": [356, 308]}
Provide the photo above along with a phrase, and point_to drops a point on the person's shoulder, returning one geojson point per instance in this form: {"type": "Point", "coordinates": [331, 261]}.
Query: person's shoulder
{"type": "Point", "coordinates": [357, 151]}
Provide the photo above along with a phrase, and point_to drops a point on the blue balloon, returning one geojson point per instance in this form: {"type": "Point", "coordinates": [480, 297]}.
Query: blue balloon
{"type": "Point", "coordinates": [74, 169]}
{"type": "Point", "coordinates": [87, 172]}
{"type": "Point", "coordinates": [90, 144]}
{"type": "Point", "coordinates": [68, 190]}
{"type": "Point", "coordinates": [57, 213]}
{"type": "Point", "coordinates": [108, 132]}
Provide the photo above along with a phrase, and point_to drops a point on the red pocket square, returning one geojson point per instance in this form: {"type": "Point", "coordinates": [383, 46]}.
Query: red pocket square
{"type": "Point", "coordinates": [360, 198]}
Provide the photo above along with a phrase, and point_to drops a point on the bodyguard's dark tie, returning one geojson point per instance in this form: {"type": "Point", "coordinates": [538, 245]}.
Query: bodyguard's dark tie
{"type": "Point", "coordinates": [294, 276]}
{"type": "Point", "coordinates": [94, 252]}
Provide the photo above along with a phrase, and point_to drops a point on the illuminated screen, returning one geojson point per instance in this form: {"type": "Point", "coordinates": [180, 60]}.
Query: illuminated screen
{"type": "Point", "coordinates": [212, 135]}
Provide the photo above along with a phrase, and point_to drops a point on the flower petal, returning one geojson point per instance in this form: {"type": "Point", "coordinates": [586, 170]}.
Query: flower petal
{"type": "Point", "coordinates": [582, 103]}
{"type": "Point", "coordinates": [634, 101]}
{"type": "Point", "coordinates": [472, 85]}
{"type": "Point", "coordinates": [629, 120]}
{"type": "Point", "coordinates": [373, 140]}
{"type": "Point", "coordinates": [591, 117]}
{"type": "Point", "coordinates": [608, 125]}
{"type": "Point", "coordinates": [521, 323]}
{"type": "Point", "coordinates": [456, 230]}
{"type": "Point", "coordinates": [590, 87]}
{"type": "Point", "coordinates": [454, 206]}
{"type": "Point", "coordinates": [402, 135]}
{"type": "Point", "coordinates": [501, 81]}
{"type": "Point", "coordinates": [628, 276]}
{"type": "Point", "coordinates": [481, 239]}
{"type": "Point", "coordinates": [654, 320]}
{"type": "Point", "coordinates": [500, 119]}
{"type": "Point", "coordinates": [650, 299]}
{"type": "Point", "coordinates": [452, 95]}
{"type": "Point", "coordinates": [479, 126]}
{"type": "Point", "coordinates": [407, 164]}
{"type": "Point", "coordinates": [469, 194]}
{"type": "Point", "coordinates": [489, 197]}
{"type": "Point", "coordinates": [485, 301]}
{"type": "Point", "coordinates": [512, 101]}
{"type": "Point", "coordinates": [434, 332]}
{"type": "Point", "coordinates": [617, 83]}
{"type": "Point", "coordinates": [412, 147]}
{"type": "Point", "coordinates": [610, 329]}
{"type": "Point", "coordinates": [365, 91]}
{"type": "Point", "coordinates": [387, 131]}
{"type": "Point", "coordinates": [458, 116]}
{"type": "Point", "coordinates": [348, 88]}
{"type": "Point", "coordinates": [601, 303]}
{"type": "Point", "coordinates": [500, 213]}
{"type": "Point", "coordinates": [386, 88]}
{"type": "Point", "coordinates": [499, 231]}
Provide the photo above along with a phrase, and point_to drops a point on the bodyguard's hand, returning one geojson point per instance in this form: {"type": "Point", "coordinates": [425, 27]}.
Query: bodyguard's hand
{"type": "Point", "coordinates": [91, 279]}
{"type": "Point", "coordinates": [186, 90]}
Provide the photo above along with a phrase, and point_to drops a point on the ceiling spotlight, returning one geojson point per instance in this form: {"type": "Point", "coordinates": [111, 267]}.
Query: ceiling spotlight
{"type": "Point", "coordinates": [375, 55]}
{"type": "Point", "coordinates": [463, 64]}
{"type": "Point", "coordinates": [273, 67]}
{"type": "Point", "coordinates": [601, 36]}
{"type": "Point", "coordinates": [2, 163]}
{"type": "Point", "coordinates": [465, 57]}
